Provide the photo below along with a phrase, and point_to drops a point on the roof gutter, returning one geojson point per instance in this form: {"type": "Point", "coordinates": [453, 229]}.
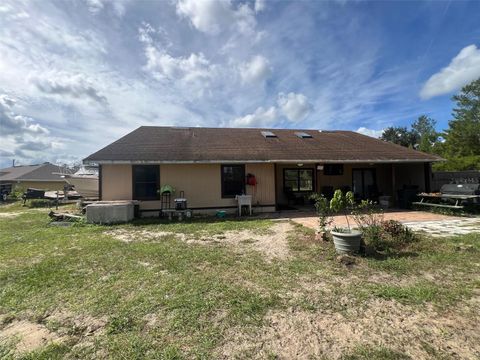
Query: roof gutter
{"type": "Point", "coordinates": [226, 161]}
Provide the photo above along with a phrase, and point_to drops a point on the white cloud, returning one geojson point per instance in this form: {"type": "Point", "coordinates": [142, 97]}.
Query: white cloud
{"type": "Point", "coordinates": [256, 70]}
{"type": "Point", "coordinates": [260, 5]}
{"type": "Point", "coordinates": [61, 83]}
{"type": "Point", "coordinates": [260, 118]}
{"type": "Point", "coordinates": [22, 137]}
{"type": "Point", "coordinates": [294, 106]}
{"type": "Point", "coordinates": [214, 16]}
{"type": "Point", "coordinates": [118, 6]}
{"type": "Point", "coordinates": [464, 68]}
{"type": "Point", "coordinates": [189, 69]}
{"type": "Point", "coordinates": [16, 124]}
{"type": "Point", "coordinates": [195, 68]}
{"type": "Point", "coordinates": [370, 132]}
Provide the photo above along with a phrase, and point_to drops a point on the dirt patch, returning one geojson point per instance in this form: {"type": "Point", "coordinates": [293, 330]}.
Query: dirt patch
{"type": "Point", "coordinates": [27, 336]}
{"type": "Point", "coordinates": [9, 214]}
{"type": "Point", "coordinates": [129, 236]}
{"type": "Point", "coordinates": [76, 325]}
{"type": "Point", "coordinates": [273, 242]}
{"type": "Point", "coordinates": [298, 334]}
{"type": "Point", "coordinates": [58, 327]}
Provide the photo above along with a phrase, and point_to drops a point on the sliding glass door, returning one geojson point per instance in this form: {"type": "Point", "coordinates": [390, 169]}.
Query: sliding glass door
{"type": "Point", "coordinates": [364, 183]}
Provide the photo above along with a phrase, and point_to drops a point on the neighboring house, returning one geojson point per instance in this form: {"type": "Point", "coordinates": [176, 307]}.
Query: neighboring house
{"type": "Point", "coordinates": [211, 166]}
{"type": "Point", "coordinates": [39, 176]}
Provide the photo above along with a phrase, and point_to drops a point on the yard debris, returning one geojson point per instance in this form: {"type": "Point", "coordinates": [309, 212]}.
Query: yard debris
{"type": "Point", "coordinates": [64, 216]}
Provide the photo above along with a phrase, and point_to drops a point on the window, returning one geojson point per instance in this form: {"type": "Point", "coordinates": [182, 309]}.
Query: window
{"type": "Point", "coordinates": [268, 134]}
{"type": "Point", "coordinates": [233, 180]}
{"type": "Point", "coordinates": [303, 135]}
{"type": "Point", "coordinates": [333, 169]}
{"type": "Point", "coordinates": [146, 182]}
{"type": "Point", "coordinates": [298, 180]}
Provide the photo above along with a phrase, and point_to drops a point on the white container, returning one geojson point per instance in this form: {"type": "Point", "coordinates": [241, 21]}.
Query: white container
{"type": "Point", "coordinates": [110, 213]}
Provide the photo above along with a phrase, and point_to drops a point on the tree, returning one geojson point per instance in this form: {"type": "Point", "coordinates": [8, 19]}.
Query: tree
{"type": "Point", "coordinates": [401, 136]}
{"type": "Point", "coordinates": [424, 129]}
{"type": "Point", "coordinates": [463, 136]}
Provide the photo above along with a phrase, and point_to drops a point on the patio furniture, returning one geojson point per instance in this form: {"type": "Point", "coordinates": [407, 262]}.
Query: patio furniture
{"type": "Point", "coordinates": [452, 196]}
{"type": "Point", "coordinates": [244, 200]}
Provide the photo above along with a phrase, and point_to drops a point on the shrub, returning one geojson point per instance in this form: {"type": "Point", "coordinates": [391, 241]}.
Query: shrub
{"type": "Point", "coordinates": [388, 236]}
{"type": "Point", "coordinates": [17, 192]}
{"type": "Point", "coordinates": [38, 203]}
{"type": "Point", "coordinates": [343, 203]}
{"type": "Point", "coordinates": [366, 215]}
{"type": "Point", "coordinates": [323, 212]}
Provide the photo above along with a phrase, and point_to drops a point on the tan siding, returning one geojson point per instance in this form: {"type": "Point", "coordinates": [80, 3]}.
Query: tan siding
{"type": "Point", "coordinates": [116, 182]}
{"type": "Point", "coordinates": [264, 192]}
{"type": "Point", "coordinates": [44, 185]}
{"type": "Point", "coordinates": [201, 183]}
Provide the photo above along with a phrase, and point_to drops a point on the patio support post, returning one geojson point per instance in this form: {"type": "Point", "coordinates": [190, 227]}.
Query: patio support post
{"type": "Point", "coordinates": [275, 185]}
{"type": "Point", "coordinates": [428, 177]}
{"type": "Point", "coordinates": [394, 193]}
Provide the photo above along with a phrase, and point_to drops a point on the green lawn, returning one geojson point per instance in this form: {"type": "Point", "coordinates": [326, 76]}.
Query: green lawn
{"type": "Point", "coordinates": [167, 298]}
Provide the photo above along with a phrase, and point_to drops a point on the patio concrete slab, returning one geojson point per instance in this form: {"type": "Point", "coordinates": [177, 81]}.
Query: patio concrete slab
{"type": "Point", "coordinates": [434, 224]}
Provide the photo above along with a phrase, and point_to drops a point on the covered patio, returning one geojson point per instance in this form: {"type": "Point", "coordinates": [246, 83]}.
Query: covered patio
{"type": "Point", "coordinates": [395, 182]}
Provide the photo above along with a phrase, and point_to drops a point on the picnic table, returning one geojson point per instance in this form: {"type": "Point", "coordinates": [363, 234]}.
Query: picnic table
{"type": "Point", "coordinates": [435, 200]}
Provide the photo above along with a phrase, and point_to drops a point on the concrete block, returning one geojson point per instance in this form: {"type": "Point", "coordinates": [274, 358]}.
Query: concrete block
{"type": "Point", "coordinates": [110, 212]}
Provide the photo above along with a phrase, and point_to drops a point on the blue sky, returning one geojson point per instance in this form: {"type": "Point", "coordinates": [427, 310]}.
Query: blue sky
{"type": "Point", "coordinates": [76, 75]}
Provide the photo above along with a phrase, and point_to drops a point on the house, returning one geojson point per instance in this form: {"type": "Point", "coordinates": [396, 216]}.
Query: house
{"type": "Point", "coordinates": [40, 176]}
{"type": "Point", "coordinates": [212, 165]}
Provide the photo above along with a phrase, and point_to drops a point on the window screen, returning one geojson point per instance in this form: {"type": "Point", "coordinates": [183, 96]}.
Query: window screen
{"type": "Point", "coordinates": [333, 169]}
{"type": "Point", "coordinates": [146, 181]}
{"type": "Point", "coordinates": [233, 180]}
{"type": "Point", "coordinates": [298, 180]}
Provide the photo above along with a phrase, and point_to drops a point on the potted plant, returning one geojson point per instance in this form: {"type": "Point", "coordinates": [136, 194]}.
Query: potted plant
{"type": "Point", "coordinates": [346, 240]}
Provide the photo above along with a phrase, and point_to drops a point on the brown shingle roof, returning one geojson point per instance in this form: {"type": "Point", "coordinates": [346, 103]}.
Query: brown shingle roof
{"type": "Point", "coordinates": [175, 144]}
{"type": "Point", "coordinates": [40, 172]}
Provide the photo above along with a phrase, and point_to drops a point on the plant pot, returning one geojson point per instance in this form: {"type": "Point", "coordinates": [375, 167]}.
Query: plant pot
{"type": "Point", "coordinates": [347, 242]}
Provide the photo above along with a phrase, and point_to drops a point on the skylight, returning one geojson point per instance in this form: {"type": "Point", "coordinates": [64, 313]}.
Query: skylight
{"type": "Point", "coordinates": [303, 135]}
{"type": "Point", "coordinates": [268, 134]}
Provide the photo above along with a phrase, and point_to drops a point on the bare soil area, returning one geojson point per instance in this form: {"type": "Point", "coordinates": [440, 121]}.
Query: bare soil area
{"type": "Point", "coordinates": [298, 334]}
{"type": "Point", "coordinates": [58, 327]}
{"type": "Point", "coordinates": [27, 336]}
{"type": "Point", "coordinates": [272, 243]}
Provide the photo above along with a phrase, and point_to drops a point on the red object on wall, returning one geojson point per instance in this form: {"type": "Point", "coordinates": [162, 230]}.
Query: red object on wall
{"type": "Point", "coordinates": [251, 180]}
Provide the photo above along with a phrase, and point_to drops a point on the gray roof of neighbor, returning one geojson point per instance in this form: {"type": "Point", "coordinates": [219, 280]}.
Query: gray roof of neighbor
{"type": "Point", "coordinates": [195, 144]}
{"type": "Point", "coordinates": [39, 172]}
